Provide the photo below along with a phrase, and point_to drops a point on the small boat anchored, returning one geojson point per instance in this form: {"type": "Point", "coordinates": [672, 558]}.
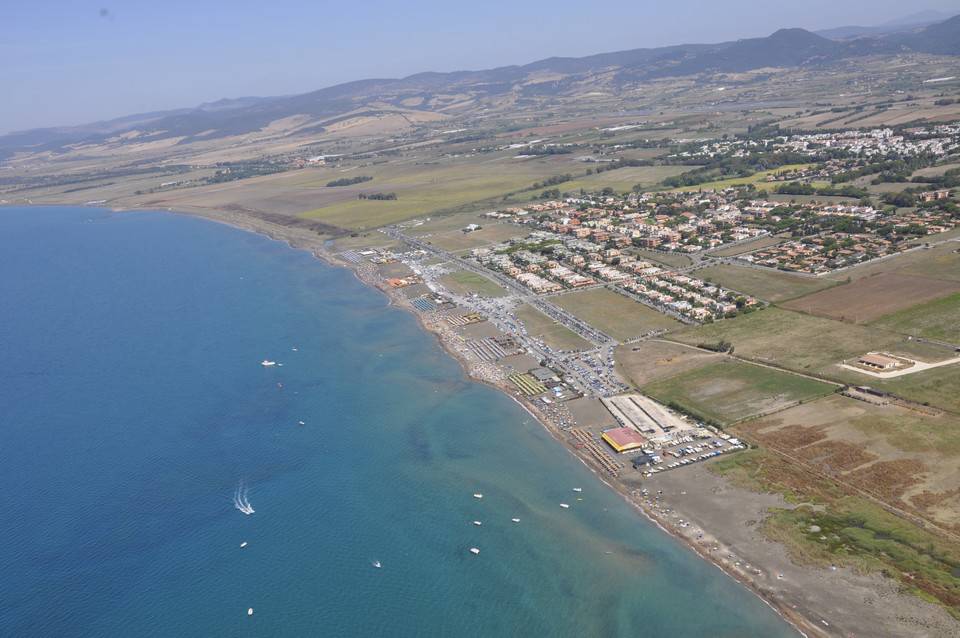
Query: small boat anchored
{"type": "Point", "coordinates": [243, 544]}
{"type": "Point", "coordinates": [578, 489]}
{"type": "Point", "coordinates": [478, 495]}
{"type": "Point", "coordinates": [564, 506]}
{"type": "Point", "coordinates": [376, 564]}
{"type": "Point", "coordinates": [474, 551]}
{"type": "Point", "coordinates": [250, 611]}
{"type": "Point", "coordinates": [266, 363]}
{"type": "Point", "coordinates": [477, 523]}
{"type": "Point", "coordinates": [515, 520]}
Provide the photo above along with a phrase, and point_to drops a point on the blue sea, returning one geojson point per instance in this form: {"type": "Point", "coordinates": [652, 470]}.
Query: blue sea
{"type": "Point", "coordinates": [133, 405]}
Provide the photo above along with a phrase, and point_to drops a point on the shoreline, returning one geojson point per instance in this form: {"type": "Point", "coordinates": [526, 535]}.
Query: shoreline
{"type": "Point", "coordinates": [802, 617]}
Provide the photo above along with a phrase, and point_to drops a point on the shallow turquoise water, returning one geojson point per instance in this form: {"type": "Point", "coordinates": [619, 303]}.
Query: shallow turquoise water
{"type": "Point", "coordinates": [132, 404]}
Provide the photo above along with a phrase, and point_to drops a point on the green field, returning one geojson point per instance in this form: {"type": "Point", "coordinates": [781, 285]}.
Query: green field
{"type": "Point", "coordinates": [465, 283]}
{"type": "Point", "coordinates": [423, 190]}
{"type": "Point", "coordinates": [672, 260]}
{"type": "Point", "coordinates": [555, 335]}
{"type": "Point", "coordinates": [766, 284]}
{"type": "Point", "coordinates": [938, 319]}
{"type": "Point", "coordinates": [623, 180]}
{"type": "Point", "coordinates": [939, 387]}
{"type": "Point", "coordinates": [803, 342]}
{"type": "Point", "coordinates": [618, 316]}
{"type": "Point", "coordinates": [757, 179]}
{"type": "Point", "coordinates": [729, 390]}
{"type": "Point", "coordinates": [748, 246]}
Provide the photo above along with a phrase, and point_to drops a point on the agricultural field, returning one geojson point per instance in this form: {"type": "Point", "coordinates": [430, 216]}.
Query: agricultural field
{"type": "Point", "coordinates": [767, 284]}
{"type": "Point", "coordinates": [465, 283]}
{"type": "Point", "coordinates": [904, 457]}
{"type": "Point", "coordinates": [806, 343]}
{"type": "Point", "coordinates": [423, 190]}
{"type": "Point", "coordinates": [622, 180]}
{"type": "Point", "coordinates": [757, 179]}
{"type": "Point", "coordinates": [939, 319]}
{"type": "Point", "coordinates": [729, 390]}
{"type": "Point", "coordinates": [644, 362]}
{"type": "Point", "coordinates": [554, 335]}
{"type": "Point", "coordinates": [870, 298]}
{"type": "Point", "coordinates": [939, 262]}
{"type": "Point", "coordinates": [671, 260]}
{"type": "Point", "coordinates": [618, 316]}
{"type": "Point", "coordinates": [938, 387]}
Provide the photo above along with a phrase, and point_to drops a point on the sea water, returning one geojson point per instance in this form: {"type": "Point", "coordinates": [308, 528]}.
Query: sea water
{"type": "Point", "coordinates": [134, 410]}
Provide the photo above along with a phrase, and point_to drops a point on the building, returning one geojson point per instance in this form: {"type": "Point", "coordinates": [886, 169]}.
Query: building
{"type": "Point", "coordinates": [932, 196]}
{"type": "Point", "coordinates": [878, 361]}
{"type": "Point", "coordinates": [624, 439]}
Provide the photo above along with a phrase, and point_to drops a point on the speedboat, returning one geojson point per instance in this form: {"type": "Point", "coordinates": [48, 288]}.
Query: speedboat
{"type": "Point", "coordinates": [515, 520]}
{"type": "Point", "coordinates": [474, 551]}
{"type": "Point", "coordinates": [243, 544]}
{"type": "Point", "coordinates": [377, 564]}
{"type": "Point", "coordinates": [564, 505]}
{"type": "Point", "coordinates": [266, 363]}
{"type": "Point", "coordinates": [478, 495]}
{"type": "Point", "coordinates": [578, 489]}
{"type": "Point", "coordinates": [477, 523]}
{"type": "Point", "coordinates": [250, 611]}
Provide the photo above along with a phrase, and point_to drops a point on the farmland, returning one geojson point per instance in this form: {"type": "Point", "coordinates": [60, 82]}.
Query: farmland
{"type": "Point", "coordinates": [770, 285]}
{"type": "Point", "coordinates": [939, 319]}
{"type": "Point", "coordinates": [618, 316]}
{"type": "Point", "coordinates": [869, 298]}
{"type": "Point", "coordinates": [647, 361]}
{"type": "Point", "coordinates": [730, 390]}
{"type": "Point", "coordinates": [805, 343]}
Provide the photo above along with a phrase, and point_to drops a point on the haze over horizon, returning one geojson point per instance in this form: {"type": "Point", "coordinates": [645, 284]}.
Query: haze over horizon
{"type": "Point", "coordinates": [96, 62]}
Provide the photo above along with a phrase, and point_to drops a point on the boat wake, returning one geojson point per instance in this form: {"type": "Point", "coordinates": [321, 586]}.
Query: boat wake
{"type": "Point", "coordinates": [241, 501]}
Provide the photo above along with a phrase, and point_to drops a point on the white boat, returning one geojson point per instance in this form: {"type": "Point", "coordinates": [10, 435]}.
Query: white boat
{"type": "Point", "coordinates": [250, 611]}
{"type": "Point", "coordinates": [515, 520]}
{"type": "Point", "coordinates": [301, 423]}
{"type": "Point", "coordinates": [477, 523]}
{"type": "Point", "coordinates": [243, 544]}
{"type": "Point", "coordinates": [564, 505]}
{"type": "Point", "coordinates": [266, 363]}
{"type": "Point", "coordinates": [478, 495]}
{"type": "Point", "coordinates": [377, 564]}
{"type": "Point", "coordinates": [474, 551]}
{"type": "Point", "coordinates": [578, 489]}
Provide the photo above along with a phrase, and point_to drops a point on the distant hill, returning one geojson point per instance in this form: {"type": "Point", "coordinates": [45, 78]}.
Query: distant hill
{"type": "Point", "coordinates": [449, 92]}
{"type": "Point", "coordinates": [906, 23]}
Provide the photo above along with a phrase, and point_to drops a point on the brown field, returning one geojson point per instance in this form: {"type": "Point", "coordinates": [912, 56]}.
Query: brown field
{"type": "Point", "coordinates": [903, 457]}
{"type": "Point", "coordinates": [456, 240]}
{"type": "Point", "coordinates": [869, 298]}
{"type": "Point", "coordinates": [767, 284]}
{"type": "Point", "coordinates": [647, 361]}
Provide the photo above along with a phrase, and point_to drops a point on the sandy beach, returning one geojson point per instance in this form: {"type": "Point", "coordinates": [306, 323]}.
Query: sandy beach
{"type": "Point", "coordinates": [715, 519]}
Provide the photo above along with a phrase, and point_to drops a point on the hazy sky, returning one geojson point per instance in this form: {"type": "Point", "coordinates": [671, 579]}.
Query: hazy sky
{"type": "Point", "coordinates": [73, 61]}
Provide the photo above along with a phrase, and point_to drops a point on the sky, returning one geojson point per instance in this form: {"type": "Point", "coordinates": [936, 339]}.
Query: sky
{"type": "Point", "coordinates": [67, 62]}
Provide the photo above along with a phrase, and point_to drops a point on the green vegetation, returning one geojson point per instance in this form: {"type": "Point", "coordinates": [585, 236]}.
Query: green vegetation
{"type": "Point", "coordinates": [555, 335]}
{"type": "Point", "coordinates": [938, 319]}
{"type": "Point", "coordinates": [848, 530]}
{"type": "Point", "coordinates": [770, 285]}
{"type": "Point", "coordinates": [465, 282]}
{"type": "Point", "coordinates": [618, 316]}
{"type": "Point", "coordinates": [730, 390]}
{"type": "Point", "coordinates": [349, 181]}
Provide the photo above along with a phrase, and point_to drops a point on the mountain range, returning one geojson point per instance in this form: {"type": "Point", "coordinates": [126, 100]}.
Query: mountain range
{"type": "Point", "coordinates": [447, 92]}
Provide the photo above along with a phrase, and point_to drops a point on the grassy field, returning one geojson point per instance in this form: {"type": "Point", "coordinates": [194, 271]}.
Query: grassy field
{"type": "Point", "coordinates": [805, 343]}
{"type": "Point", "coordinates": [614, 314]}
{"type": "Point", "coordinates": [465, 283]}
{"type": "Point", "coordinates": [623, 180]}
{"type": "Point", "coordinates": [939, 387]}
{"type": "Point", "coordinates": [647, 361]}
{"type": "Point", "coordinates": [671, 260]}
{"type": "Point", "coordinates": [939, 319]}
{"type": "Point", "coordinates": [939, 262]}
{"type": "Point", "coordinates": [748, 246]}
{"type": "Point", "coordinates": [555, 335]}
{"type": "Point", "coordinates": [832, 527]}
{"type": "Point", "coordinates": [870, 298]}
{"type": "Point", "coordinates": [457, 240]}
{"type": "Point", "coordinates": [422, 190]}
{"type": "Point", "coordinates": [757, 179]}
{"type": "Point", "coordinates": [769, 285]}
{"type": "Point", "coordinates": [729, 390]}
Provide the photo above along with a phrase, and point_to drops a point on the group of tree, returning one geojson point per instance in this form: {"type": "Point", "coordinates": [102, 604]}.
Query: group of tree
{"type": "Point", "coordinates": [349, 181]}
